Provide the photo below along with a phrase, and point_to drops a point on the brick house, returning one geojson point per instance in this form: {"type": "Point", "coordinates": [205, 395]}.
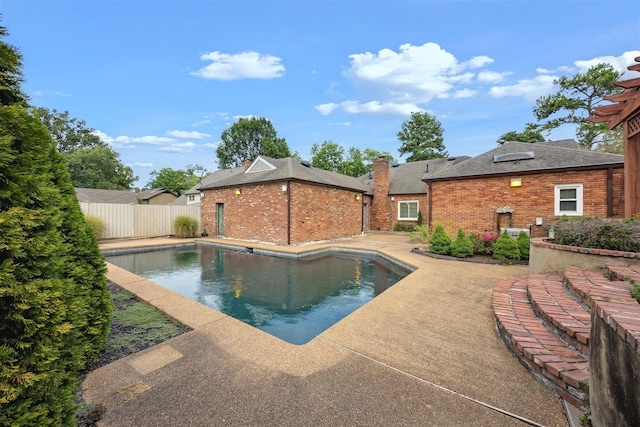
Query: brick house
{"type": "Point", "coordinates": [526, 186]}
{"type": "Point", "coordinates": [396, 194]}
{"type": "Point", "coordinates": [283, 201]}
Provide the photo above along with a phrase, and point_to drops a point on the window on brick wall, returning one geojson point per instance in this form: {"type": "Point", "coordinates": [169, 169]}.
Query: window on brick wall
{"type": "Point", "coordinates": [408, 211]}
{"type": "Point", "coordinates": [568, 199]}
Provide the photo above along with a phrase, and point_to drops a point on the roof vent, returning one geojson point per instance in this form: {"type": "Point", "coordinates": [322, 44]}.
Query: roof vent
{"type": "Point", "coordinates": [305, 163]}
{"type": "Point", "coordinates": [509, 157]}
{"type": "Point", "coordinates": [395, 165]}
{"type": "Point", "coordinates": [452, 158]}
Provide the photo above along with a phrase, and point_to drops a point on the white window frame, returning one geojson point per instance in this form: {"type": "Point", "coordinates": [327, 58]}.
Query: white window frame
{"type": "Point", "coordinates": [579, 199]}
{"type": "Point", "coordinates": [191, 198]}
{"type": "Point", "coordinates": [400, 218]}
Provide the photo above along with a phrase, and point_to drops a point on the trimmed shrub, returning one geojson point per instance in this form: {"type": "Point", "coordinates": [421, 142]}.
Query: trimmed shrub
{"type": "Point", "coordinates": [185, 226]}
{"type": "Point", "coordinates": [483, 243]}
{"type": "Point", "coordinates": [440, 242]}
{"type": "Point", "coordinates": [524, 242]}
{"type": "Point", "coordinates": [462, 246]}
{"type": "Point", "coordinates": [506, 248]}
{"type": "Point", "coordinates": [599, 233]}
{"type": "Point", "coordinates": [404, 227]}
{"type": "Point", "coordinates": [96, 224]}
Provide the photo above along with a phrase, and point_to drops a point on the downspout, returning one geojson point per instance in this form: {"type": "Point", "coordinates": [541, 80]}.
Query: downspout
{"type": "Point", "coordinates": [429, 202]}
{"type": "Point", "coordinates": [288, 212]}
{"type": "Point", "coordinates": [610, 192]}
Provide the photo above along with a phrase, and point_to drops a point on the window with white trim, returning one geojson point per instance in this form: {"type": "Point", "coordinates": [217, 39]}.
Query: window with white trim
{"type": "Point", "coordinates": [568, 199]}
{"type": "Point", "coordinates": [408, 211]}
{"type": "Point", "coordinates": [191, 198]}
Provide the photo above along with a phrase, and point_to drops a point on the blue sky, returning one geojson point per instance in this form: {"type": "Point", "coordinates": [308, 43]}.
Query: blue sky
{"type": "Point", "coordinates": [160, 80]}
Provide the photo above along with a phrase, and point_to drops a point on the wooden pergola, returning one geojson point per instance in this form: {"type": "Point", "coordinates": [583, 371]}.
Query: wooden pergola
{"type": "Point", "coordinates": [625, 110]}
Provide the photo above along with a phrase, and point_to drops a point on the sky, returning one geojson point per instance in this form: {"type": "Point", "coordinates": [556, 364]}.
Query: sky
{"type": "Point", "coordinates": [160, 80]}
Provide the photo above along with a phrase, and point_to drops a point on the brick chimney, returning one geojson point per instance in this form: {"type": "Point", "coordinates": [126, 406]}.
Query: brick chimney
{"type": "Point", "coordinates": [381, 205]}
{"type": "Point", "coordinates": [246, 164]}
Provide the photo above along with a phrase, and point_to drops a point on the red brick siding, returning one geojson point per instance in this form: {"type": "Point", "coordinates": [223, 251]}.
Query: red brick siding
{"type": "Point", "coordinates": [323, 213]}
{"type": "Point", "coordinates": [471, 204]}
{"type": "Point", "coordinates": [259, 213]}
{"type": "Point", "coordinates": [380, 207]}
{"type": "Point", "coordinates": [422, 207]}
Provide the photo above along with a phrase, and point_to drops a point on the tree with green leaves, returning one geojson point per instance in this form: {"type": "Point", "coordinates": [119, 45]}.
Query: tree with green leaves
{"type": "Point", "coordinates": [328, 156]}
{"type": "Point", "coordinates": [612, 142]}
{"type": "Point", "coordinates": [54, 302]}
{"type": "Point", "coordinates": [10, 73]}
{"type": "Point", "coordinates": [370, 156]}
{"type": "Point", "coordinates": [92, 162]}
{"type": "Point", "coordinates": [354, 165]}
{"type": "Point", "coordinates": [177, 180]}
{"type": "Point", "coordinates": [247, 139]}
{"type": "Point", "coordinates": [422, 138]}
{"type": "Point", "coordinates": [574, 100]}
{"type": "Point", "coordinates": [530, 134]}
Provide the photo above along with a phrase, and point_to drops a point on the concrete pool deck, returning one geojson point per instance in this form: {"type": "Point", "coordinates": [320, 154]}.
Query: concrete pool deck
{"type": "Point", "coordinates": [425, 352]}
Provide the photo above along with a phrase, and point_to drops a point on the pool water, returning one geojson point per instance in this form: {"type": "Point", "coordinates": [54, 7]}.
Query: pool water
{"type": "Point", "coordinates": [292, 298]}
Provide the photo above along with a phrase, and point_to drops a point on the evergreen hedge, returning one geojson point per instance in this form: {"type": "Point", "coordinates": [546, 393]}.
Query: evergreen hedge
{"type": "Point", "coordinates": [524, 243]}
{"type": "Point", "coordinates": [54, 301]}
{"type": "Point", "coordinates": [462, 246]}
{"type": "Point", "coordinates": [506, 248]}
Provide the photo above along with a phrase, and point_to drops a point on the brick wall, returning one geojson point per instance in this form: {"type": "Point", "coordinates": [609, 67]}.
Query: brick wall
{"type": "Point", "coordinates": [422, 207]}
{"type": "Point", "coordinates": [261, 213]}
{"type": "Point", "coordinates": [471, 204]}
{"type": "Point", "coordinates": [381, 205]}
{"type": "Point", "coordinates": [323, 213]}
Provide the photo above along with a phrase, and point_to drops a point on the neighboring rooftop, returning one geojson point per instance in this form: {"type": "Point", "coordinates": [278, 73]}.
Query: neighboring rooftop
{"type": "Point", "coordinates": [92, 195]}
{"type": "Point", "coordinates": [540, 157]}
{"type": "Point", "coordinates": [266, 169]}
{"type": "Point", "coordinates": [150, 194]}
{"type": "Point", "coordinates": [207, 180]}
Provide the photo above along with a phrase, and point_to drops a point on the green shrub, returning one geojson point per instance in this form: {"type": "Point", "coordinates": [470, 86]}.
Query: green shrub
{"type": "Point", "coordinates": [524, 242]}
{"type": "Point", "coordinates": [599, 233]}
{"type": "Point", "coordinates": [185, 226]}
{"type": "Point", "coordinates": [635, 292]}
{"type": "Point", "coordinates": [440, 242]}
{"type": "Point", "coordinates": [462, 246]}
{"type": "Point", "coordinates": [506, 248]}
{"type": "Point", "coordinates": [403, 227]}
{"type": "Point", "coordinates": [96, 224]}
{"type": "Point", "coordinates": [421, 234]}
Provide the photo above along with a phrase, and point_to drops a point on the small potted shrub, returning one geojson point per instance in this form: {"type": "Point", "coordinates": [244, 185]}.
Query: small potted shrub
{"type": "Point", "coordinates": [462, 246]}
{"type": "Point", "coordinates": [185, 226]}
{"type": "Point", "coordinates": [440, 242]}
{"type": "Point", "coordinates": [506, 248]}
{"type": "Point", "coordinates": [523, 242]}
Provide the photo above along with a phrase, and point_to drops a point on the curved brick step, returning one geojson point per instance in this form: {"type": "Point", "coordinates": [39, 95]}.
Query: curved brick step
{"type": "Point", "coordinates": [568, 318]}
{"type": "Point", "coordinates": [624, 272]}
{"type": "Point", "coordinates": [592, 285]}
{"type": "Point", "coordinates": [550, 360]}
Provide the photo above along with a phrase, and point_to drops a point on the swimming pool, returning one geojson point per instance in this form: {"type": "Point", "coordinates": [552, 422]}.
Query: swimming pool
{"type": "Point", "coordinates": [294, 298]}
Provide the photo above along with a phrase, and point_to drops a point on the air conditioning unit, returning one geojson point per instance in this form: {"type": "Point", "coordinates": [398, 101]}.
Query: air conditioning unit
{"type": "Point", "coordinates": [513, 232]}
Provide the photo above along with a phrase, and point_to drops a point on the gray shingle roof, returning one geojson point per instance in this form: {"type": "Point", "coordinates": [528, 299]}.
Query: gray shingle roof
{"type": "Point", "coordinates": [406, 178]}
{"type": "Point", "coordinates": [288, 168]}
{"type": "Point", "coordinates": [92, 195]}
{"type": "Point", "coordinates": [149, 194]}
{"type": "Point", "coordinates": [548, 156]}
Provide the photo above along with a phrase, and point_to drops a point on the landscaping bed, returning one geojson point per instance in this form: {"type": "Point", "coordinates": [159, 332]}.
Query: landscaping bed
{"type": "Point", "coordinates": [477, 258]}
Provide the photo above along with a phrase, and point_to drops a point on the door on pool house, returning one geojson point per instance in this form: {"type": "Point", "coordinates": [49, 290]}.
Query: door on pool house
{"type": "Point", "coordinates": [220, 218]}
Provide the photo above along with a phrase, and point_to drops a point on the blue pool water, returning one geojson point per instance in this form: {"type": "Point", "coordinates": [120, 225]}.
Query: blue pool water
{"type": "Point", "coordinates": [294, 299]}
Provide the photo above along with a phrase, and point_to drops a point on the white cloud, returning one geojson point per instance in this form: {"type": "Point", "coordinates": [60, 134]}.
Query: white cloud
{"type": "Point", "coordinates": [211, 144]}
{"type": "Point", "coordinates": [530, 89]}
{"type": "Point", "coordinates": [141, 164]}
{"type": "Point", "coordinates": [182, 147]}
{"type": "Point", "coordinates": [244, 65]}
{"type": "Point", "coordinates": [464, 93]}
{"type": "Point", "coordinates": [619, 63]}
{"type": "Point", "coordinates": [188, 134]}
{"type": "Point", "coordinates": [372, 107]}
{"type": "Point", "coordinates": [491, 76]}
{"type": "Point", "coordinates": [414, 74]}
{"type": "Point", "coordinates": [326, 109]}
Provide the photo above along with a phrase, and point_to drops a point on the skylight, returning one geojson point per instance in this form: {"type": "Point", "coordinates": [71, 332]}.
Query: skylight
{"type": "Point", "coordinates": [510, 157]}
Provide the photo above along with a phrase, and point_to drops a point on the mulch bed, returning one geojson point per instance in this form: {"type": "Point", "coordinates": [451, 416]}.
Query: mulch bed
{"type": "Point", "coordinates": [479, 259]}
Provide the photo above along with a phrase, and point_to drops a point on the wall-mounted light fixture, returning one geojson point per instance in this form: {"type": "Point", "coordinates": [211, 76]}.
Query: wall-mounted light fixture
{"type": "Point", "coordinates": [516, 182]}
{"type": "Point", "coordinates": [358, 197]}
{"type": "Point", "coordinates": [238, 192]}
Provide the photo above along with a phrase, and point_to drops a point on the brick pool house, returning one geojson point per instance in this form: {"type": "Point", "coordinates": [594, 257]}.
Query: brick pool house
{"type": "Point", "coordinates": [283, 201]}
{"type": "Point", "coordinates": [526, 186]}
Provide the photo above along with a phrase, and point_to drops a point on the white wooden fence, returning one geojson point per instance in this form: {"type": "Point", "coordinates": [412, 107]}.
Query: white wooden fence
{"type": "Point", "coordinates": [132, 221]}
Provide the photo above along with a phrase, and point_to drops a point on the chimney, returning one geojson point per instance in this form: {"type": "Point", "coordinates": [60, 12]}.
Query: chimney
{"type": "Point", "coordinates": [246, 164]}
{"type": "Point", "coordinates": [136, 190]}
{"type": "Point", "coordinates": [381, 205]}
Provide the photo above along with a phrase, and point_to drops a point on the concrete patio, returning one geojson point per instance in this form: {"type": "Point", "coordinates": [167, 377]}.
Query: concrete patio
{"type": "Point", "coordinates": [425, 352]}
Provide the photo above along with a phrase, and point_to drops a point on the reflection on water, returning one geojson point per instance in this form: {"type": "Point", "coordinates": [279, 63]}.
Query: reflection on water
{"type": "Point", "coordinates": [293, 299]}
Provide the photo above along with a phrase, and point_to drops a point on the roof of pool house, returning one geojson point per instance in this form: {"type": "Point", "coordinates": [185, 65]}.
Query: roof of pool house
{"type": "Point", "coordinates": [265, 169]}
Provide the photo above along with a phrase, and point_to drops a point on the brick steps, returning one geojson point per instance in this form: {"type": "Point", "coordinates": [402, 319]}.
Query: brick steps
{"type": "Point", "coordinates": [545, 321]}
{"type": "Point", "coordinates": [551, 360]}
{"type": "Point", "coordinates": [561, 313]}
